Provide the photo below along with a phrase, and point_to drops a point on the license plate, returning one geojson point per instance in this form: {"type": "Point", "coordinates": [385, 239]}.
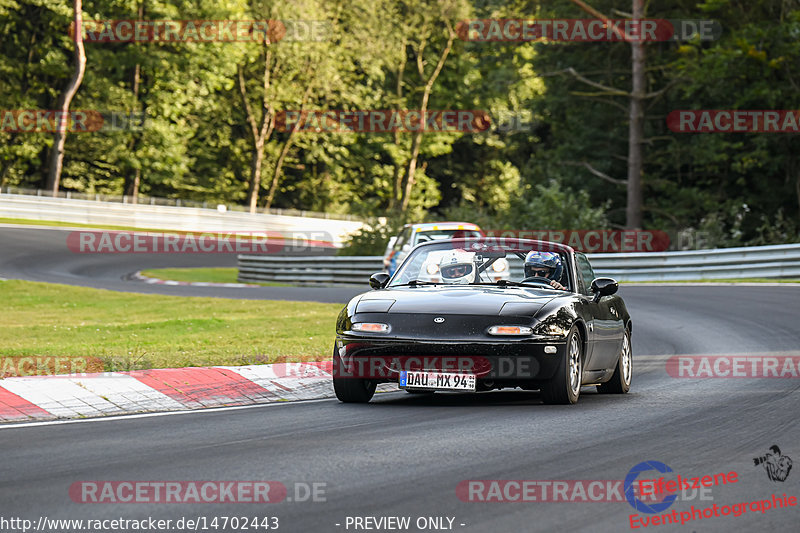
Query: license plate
{"type": "Point", "coordinates": [436, 380]}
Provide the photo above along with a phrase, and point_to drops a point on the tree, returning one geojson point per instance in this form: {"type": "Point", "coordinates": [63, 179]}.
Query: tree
{"type": "Point", "coordinates": [637, 95]}
{"type": "Point", "coordinates": [60, 135]}
{"type": "Point", "coordinates": [424, 27]}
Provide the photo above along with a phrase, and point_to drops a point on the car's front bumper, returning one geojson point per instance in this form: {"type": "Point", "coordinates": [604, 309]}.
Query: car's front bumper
{"type": "Point", "coordinates": [507, 361]}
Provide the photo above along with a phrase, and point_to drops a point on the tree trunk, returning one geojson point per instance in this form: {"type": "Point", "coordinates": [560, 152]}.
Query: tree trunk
{"type": "Point", "coordinates": [412, 168]}
{"type": "Point", "coordinates": [633, 210]}
{"type": "Point", "coordinates": [133, 182]}
{"type": "Point", "coordinates": [417, 143]}
{"type": "Point", "coordinates": [259, 134]}
{"type": "Point", "coordinates": [255, 175]}
{"type": "Point", "coordinates": [137, 181]}
{"type": "Point", "coordinates": [276, 173]}
{"type": "Point", "coordinates": [132, 189]}
{"type": "Point", "coordinates": [399, 171]}
{"type": "Point", "coordinates": [60, 135]}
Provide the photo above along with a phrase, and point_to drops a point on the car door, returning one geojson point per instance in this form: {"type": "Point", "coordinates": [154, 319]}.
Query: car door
{"type": "Point", "coordinates": [606, 325]}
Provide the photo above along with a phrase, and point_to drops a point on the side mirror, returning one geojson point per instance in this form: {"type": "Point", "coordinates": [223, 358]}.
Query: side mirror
{"type": "Point", "coordinates": [604, 287]}
{"type": "Point", "coordinates": [378, 280]}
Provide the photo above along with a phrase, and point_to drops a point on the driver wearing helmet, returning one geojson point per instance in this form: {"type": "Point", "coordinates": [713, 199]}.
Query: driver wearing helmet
{"type": "Point", "coordinates": [457, 267]}
{"type": "Point", "coordinates": [544, 265]}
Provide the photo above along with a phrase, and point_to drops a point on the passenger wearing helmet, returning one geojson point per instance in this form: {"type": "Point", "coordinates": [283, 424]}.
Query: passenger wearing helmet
{"type": "Point", "coordinates": [544, 265]}
{"type": "Point", "coordinates": [457, 267]}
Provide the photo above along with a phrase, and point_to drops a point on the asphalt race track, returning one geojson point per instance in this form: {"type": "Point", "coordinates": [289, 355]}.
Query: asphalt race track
{"type": "Point", "coordinates": [37, 254]}
{"type": "Point", "coordinates": [405, 455]}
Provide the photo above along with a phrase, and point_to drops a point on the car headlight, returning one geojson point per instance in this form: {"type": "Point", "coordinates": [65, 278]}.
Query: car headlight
{"type": "Point", "coordinates": [432, 269]}
{"type": "Point", "coordinates": [500, 265]}
{"type": "Point", "coordinates": [371, 327]}
{"type": "Point", "coordinates": [551, 329]}
{"type": "Point", "coordinates": [510, 330]}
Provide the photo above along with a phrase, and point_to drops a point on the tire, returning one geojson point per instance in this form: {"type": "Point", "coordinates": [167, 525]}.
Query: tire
{"type": "Point", "coordinates": [620, 382]}
{"type": "Point", "coordinates": [352, 390]}
{"type": "Point", "coordinates": [565, 386]}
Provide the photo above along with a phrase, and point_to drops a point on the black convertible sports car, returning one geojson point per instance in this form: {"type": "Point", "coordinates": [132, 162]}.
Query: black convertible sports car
{"type": "Point", "coordinates": [440, 323]}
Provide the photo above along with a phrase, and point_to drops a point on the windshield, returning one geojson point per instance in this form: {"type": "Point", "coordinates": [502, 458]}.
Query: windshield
{"type": "Point", "coordinates": [473, 261]}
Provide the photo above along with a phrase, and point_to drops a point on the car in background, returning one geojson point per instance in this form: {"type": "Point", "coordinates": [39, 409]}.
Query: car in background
{"type": "Point", "coordinates": [413, 234]}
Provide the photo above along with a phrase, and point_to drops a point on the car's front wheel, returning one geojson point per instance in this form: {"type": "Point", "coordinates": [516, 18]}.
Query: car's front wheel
{"type": "Point", "coordinates": [620, 382]}
{"type": "Point", "coordinates": [565, 386]}
{"type": "Point", "coordinates": [351, 389]}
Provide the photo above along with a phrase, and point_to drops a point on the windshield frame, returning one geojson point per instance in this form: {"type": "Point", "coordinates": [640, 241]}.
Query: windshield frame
{"type": "Point", "coordinates": [511, 246]}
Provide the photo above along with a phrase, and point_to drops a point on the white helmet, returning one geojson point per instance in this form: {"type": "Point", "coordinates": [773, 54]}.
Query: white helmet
{"type": "Point", "coordinates": [457, 267]}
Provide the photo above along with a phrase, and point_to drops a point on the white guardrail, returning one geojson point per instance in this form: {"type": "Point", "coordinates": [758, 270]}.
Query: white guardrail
{"type": "Point", "coordinates": [45, 208]}
{"type": "Point", "coordinates": [780, 261]}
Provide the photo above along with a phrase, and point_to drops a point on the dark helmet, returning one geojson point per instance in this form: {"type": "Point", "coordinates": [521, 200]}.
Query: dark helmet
{"type": "Point", "coordinates": [536, 263]}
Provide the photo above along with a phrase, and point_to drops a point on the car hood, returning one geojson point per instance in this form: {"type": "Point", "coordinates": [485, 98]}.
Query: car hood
{"type": "Point", "coordinates": [456, 300]}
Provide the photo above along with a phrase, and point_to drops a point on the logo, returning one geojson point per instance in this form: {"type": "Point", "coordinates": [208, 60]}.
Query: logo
{"type": "Point", "coordinates": [591, 241]}
{"type": "Point", "coordinates": [630, 495]}
{"type": "Point", "coordinates": [733, 366]}
{"type": "Point", "coordinates": [777, 465]}
{"type": "Point", "coordinates": [134, 242]}
{"type": "Point", "coordinates": [734, 121]}
{"type": "Point", "coordinates": [77, 121]}
{"type": "Point", "coordinates": [193, 31]}
{"type": "Point", "coordinates": [382, 120]}
{"type": "Point", "coordinates": [438, 319]}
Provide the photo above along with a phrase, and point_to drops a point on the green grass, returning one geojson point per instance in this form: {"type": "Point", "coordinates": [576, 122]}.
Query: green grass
{"type": "Point", "coordinates": [134, 331]}
{"type": "Point", "coordinates": [29, 222]}
{"type": "Point", "coordinates": [207, 275]}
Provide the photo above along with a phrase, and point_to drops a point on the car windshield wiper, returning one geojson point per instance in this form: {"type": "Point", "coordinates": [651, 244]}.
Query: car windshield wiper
{"type": "Point", "coordinates": [415, 282]}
